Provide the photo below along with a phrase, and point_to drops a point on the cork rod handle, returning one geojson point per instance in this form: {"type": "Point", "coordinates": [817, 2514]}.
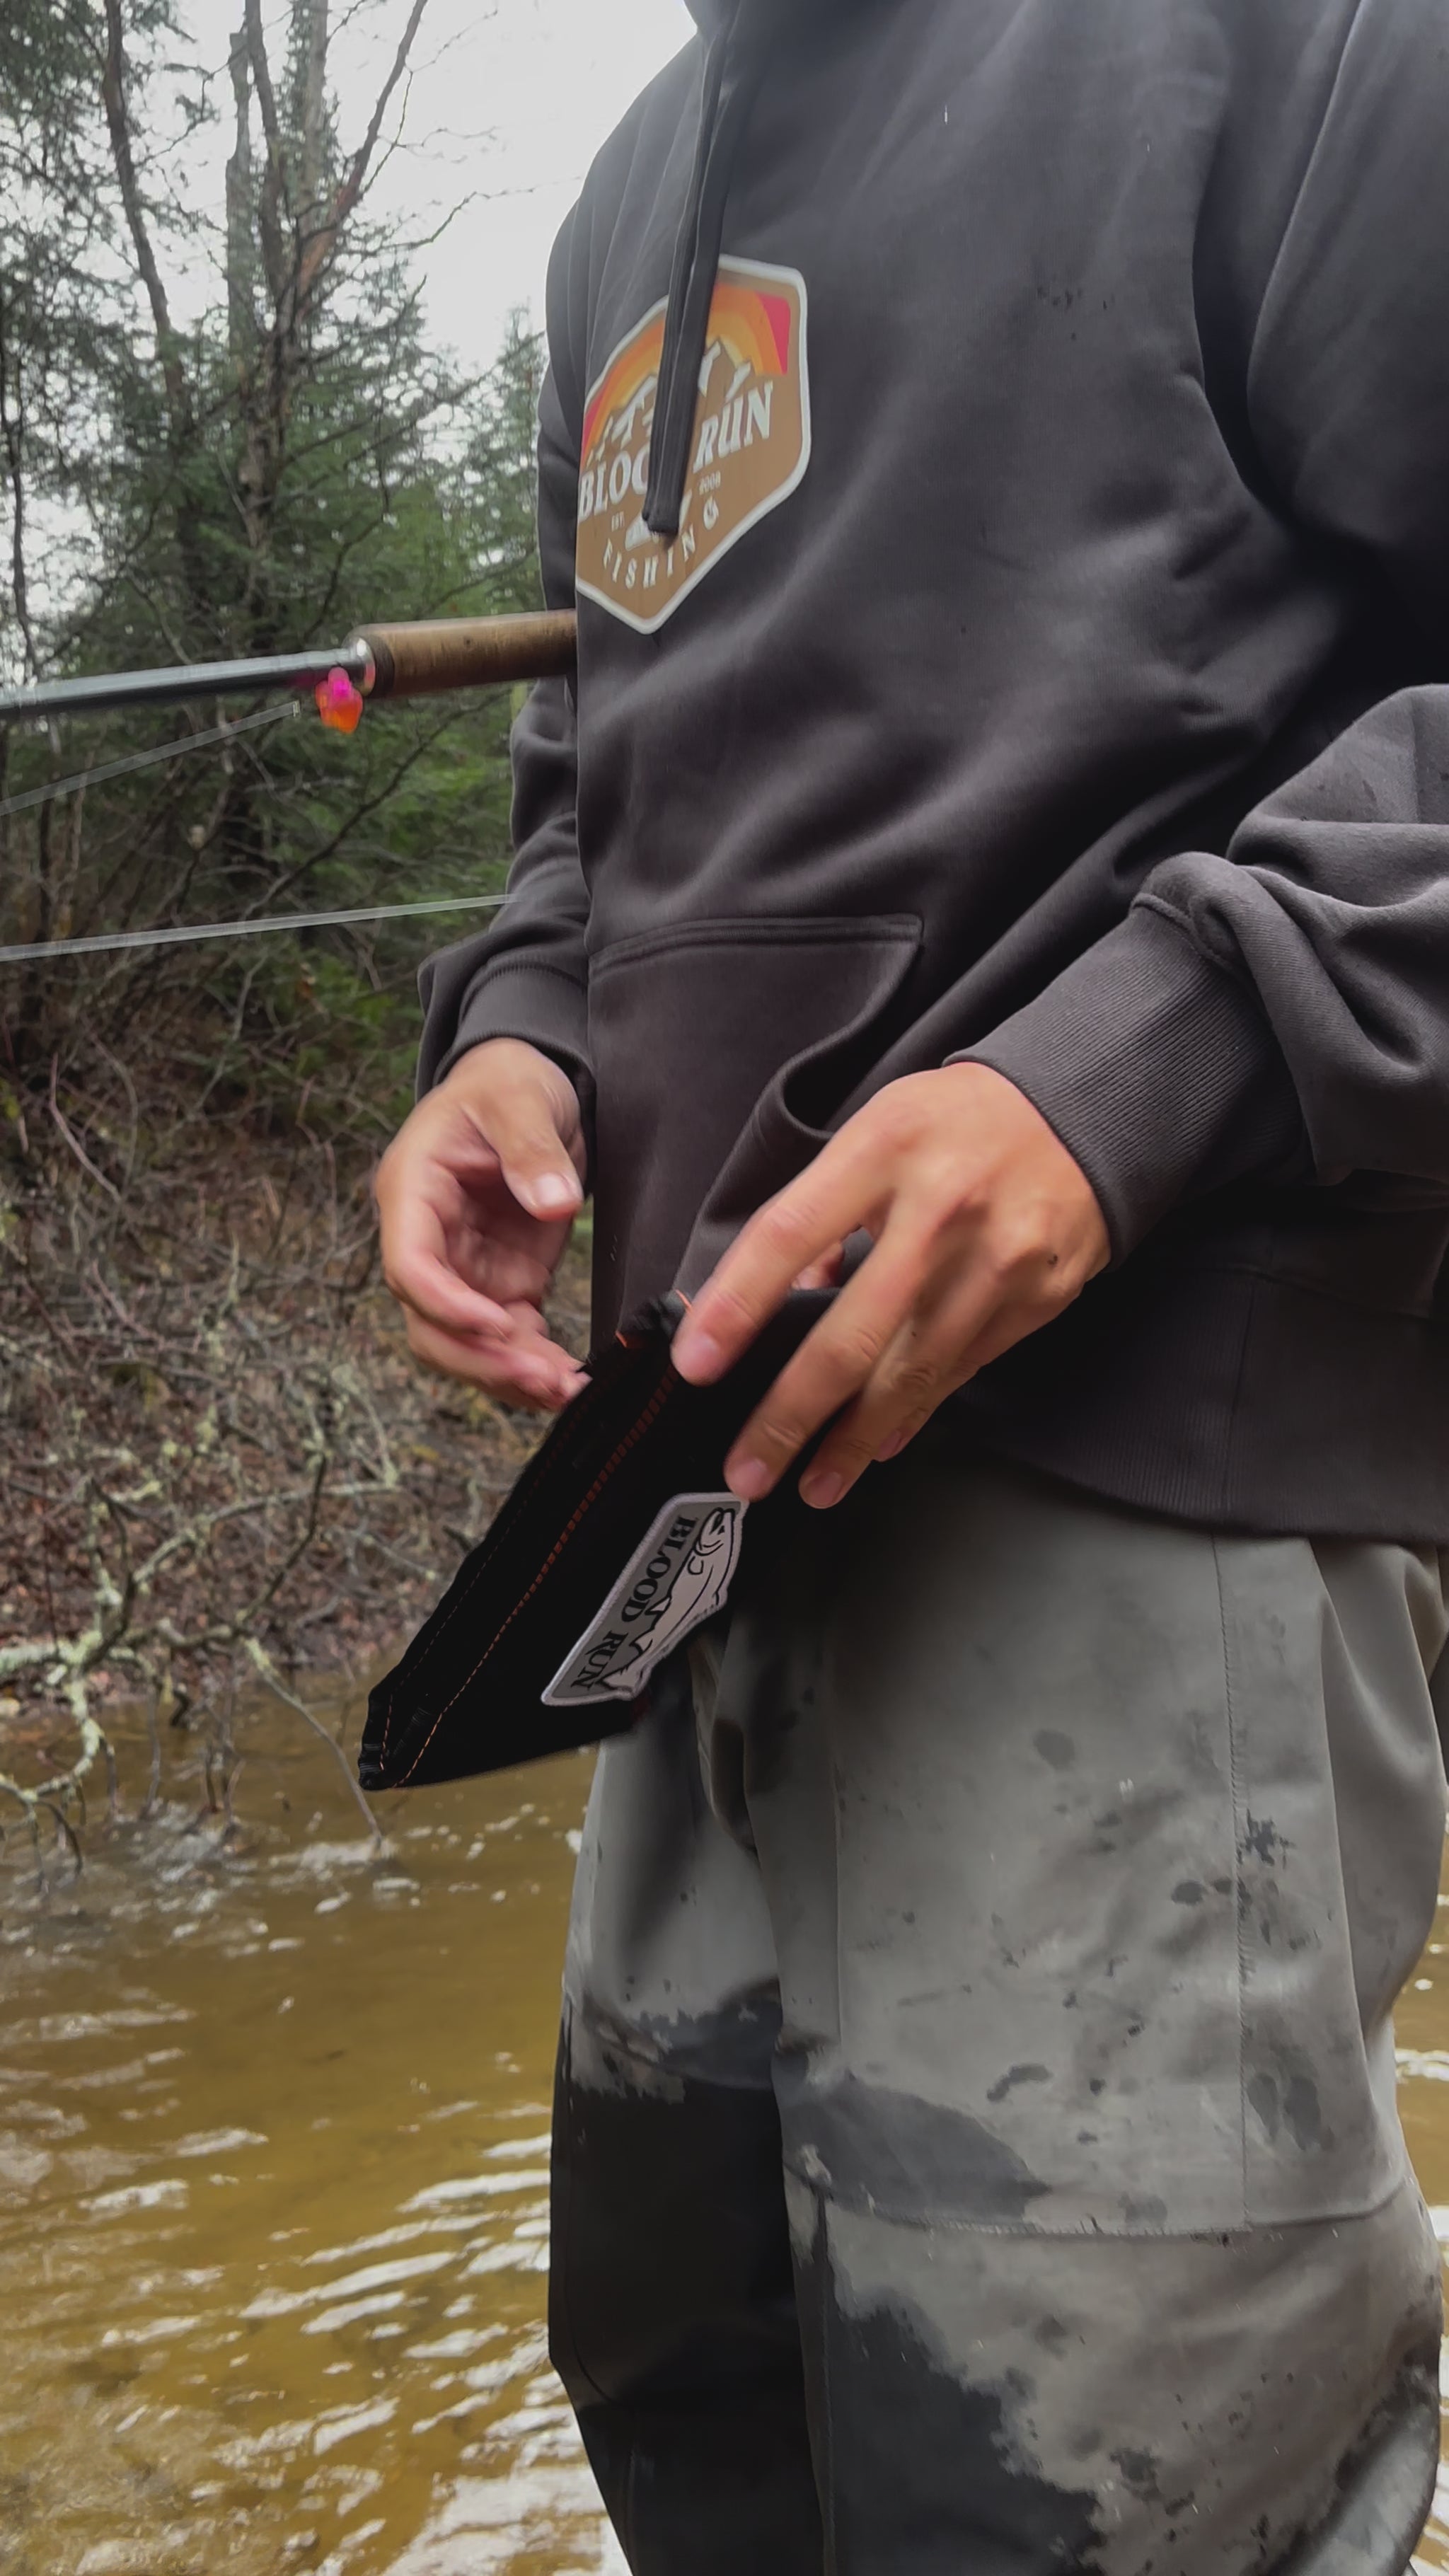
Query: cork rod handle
{"type": "Point", "coordinates": [468, 652]}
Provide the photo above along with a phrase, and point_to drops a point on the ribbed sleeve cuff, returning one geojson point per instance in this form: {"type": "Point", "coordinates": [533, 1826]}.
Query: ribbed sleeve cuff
{"type": "Point", "coordinates": [518, 998]}
{"type": "Point", "coordinates": [1157, 1070]}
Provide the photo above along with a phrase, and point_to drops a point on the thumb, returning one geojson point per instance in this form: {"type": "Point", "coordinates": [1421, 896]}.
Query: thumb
{"type": "Point", "coordinates": [536, 1163]}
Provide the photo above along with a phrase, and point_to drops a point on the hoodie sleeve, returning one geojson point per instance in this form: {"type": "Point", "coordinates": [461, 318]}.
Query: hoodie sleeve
{"type": "Point", "coordinates": [527, 977]}
{"type": "Point", "coordinates": [1284, 1009]}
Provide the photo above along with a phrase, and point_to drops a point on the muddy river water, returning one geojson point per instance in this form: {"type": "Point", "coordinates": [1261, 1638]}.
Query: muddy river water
{"type": "Point", "coordinates": [273, 2186]}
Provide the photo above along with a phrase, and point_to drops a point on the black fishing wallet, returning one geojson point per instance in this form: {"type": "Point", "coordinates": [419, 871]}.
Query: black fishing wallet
{"type": "Point", "coordinates": [618, 1539]}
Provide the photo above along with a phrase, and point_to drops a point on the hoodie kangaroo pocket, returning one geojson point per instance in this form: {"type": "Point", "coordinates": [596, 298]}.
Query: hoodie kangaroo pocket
{"type": "Point", "coordinates": [698, 1037]}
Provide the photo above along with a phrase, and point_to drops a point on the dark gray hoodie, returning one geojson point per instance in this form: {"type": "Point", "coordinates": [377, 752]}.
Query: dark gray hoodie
{"type": "Point", "coordinates": [1022, 634]}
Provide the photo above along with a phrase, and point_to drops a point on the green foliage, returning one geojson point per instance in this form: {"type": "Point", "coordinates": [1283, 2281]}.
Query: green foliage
{"type": "Point", "coordinates": [296, 462]}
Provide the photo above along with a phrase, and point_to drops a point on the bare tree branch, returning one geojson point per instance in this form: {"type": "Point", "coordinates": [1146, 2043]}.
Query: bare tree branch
{"type": "Point", "coordinates": [262, 1663]}
{"type": "Point", "coordinates": [313, 72]}
{"type": "Point", "coordinates": [274, 199]}
{"type": "Point", "coordinates": [324, 241]}
{"type": "Point", "coordinates": [12, 430]}
{"type": "Point", "coordinates": [240, 299]}
{"type": "Point", "coordinates": [113, 92]}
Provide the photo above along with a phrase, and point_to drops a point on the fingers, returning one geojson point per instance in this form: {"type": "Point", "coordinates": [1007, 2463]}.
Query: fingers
{"type": "Point", "coordinates": [527, 1369]}
{"type": "Point", "coordinates": [895, 1404]}
{"type": "Point", "coordinates": [824, 1273]}
{"type": "Point", "coordinates": [928, 1362]}
{"type": "Point", "coordinates": [805, 1225]}
{"type": "Point", "coordinates": [834, 1362]}
{"type": "Point", "coordinates": [984, 1228]}
{"type": "Point", "coordinates": [533, 1161]}
{"type": "Point", "coordinates": [527, 1112]}
{"type": "Point", "coordinates": [493, 1153]}
{"type": "Point", "coordinates": [417, 1261]}
{"type": "Point", "coordinates": [907, 1333]}
{"type": "Point", "coordinates": [421, 1277]}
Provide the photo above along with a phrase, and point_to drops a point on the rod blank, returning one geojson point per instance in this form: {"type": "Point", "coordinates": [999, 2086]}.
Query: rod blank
{"type": "Point", "coordinates": [286, 673]}
{"type": "Point", "coordinates": [413, 661]}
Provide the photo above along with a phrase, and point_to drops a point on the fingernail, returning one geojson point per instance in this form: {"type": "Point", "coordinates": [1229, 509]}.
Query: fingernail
{"type": "Point", "coordinates": [751, 1479]}
{"type": "Point", "coordinates": [551, 1193]}
{"type": "Point", "coordinates": [820, 1491]}
{"type": "Point", "coordinates": [892, 1447]}
{"type": "Point", "coordinates": [698, 1356]}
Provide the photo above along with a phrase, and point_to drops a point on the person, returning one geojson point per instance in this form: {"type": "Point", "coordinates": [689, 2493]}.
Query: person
{"type": "Point", "coordinates": [1000, 829]}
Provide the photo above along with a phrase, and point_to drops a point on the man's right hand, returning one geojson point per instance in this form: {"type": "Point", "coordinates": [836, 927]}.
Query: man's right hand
{"type": "Point", "coordinates": [477, 1194]}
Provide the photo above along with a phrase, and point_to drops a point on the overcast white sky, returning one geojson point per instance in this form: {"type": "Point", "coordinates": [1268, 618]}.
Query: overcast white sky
{"type": "Point", "coordinates": [510, 99]}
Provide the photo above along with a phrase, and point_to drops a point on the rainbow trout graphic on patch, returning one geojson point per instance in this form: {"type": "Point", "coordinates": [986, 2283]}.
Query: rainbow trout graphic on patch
{"type": "Point", "coordinates": [751, 444]}
{"type": "Point", "coordinates": [677, 1578]}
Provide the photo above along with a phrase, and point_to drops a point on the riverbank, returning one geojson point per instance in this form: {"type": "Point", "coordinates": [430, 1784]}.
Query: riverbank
{"type": "Point", "coordinates": [217, 1457]}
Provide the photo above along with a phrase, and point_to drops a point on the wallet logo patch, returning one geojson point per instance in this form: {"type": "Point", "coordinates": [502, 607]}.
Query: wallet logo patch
{"type": "Point", "coordinates": [676, 1578]}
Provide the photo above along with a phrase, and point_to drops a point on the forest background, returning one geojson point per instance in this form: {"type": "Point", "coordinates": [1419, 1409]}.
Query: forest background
{"type": "Point", "coordinates": [219, 1468]}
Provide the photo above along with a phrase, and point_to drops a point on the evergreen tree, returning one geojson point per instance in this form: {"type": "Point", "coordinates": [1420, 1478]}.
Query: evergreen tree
{"type": "Point", "coordinates": [296, 461]}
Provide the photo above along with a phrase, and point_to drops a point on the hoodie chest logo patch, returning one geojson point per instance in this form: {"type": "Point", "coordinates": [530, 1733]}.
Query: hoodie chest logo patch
{"type": "Point", "coordinates": [750, 446]}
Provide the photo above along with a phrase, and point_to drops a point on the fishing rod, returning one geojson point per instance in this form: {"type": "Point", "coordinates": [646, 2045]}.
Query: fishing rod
{"type": "Point", "coordinates": [409, 661]}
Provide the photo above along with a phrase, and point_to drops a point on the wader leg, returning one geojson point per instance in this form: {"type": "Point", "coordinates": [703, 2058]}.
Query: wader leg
{"type": "Point", "coordinates": [672, 2304]}
{"type": "Point", "coordinates": [1096, 1853]}
{"type": "Point", "coordinates": [1063, 1866]}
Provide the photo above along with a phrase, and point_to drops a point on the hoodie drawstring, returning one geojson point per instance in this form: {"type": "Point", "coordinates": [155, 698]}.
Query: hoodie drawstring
{"type": "Point", "coordinates": [731, 79]}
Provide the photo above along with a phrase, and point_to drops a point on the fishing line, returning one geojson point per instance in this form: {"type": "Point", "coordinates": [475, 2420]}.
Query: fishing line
{"type": "Point", "coordinates": [103, 943]}
{"type": "Point", "coordinates": [145, 759]}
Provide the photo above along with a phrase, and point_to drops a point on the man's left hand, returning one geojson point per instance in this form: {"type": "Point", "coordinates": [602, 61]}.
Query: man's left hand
{"type": "Point", "coordinates": [983, 1228]}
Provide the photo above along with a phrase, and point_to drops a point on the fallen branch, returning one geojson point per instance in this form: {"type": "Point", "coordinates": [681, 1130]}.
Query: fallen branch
{"type": "Point", "coordinates": [217, 1453]}
{"type": "Point", "coordinates": [261, 1663]}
